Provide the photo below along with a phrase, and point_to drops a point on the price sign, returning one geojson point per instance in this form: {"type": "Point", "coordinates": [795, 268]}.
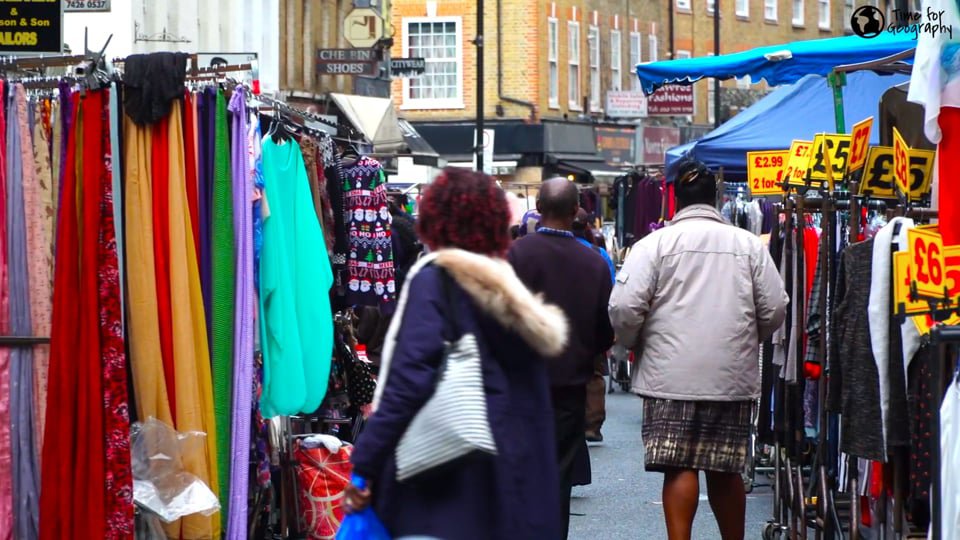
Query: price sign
{"type": "Point", "coordinates": [796, 170]}
{"type": "Point", "coordinates": [901, 285]}
{"type": "Point", "coordinates": [859, 143]}
{"type": "Point", "coordinates": [765, 171]}
{"type": "Point", "coordinates": [921, 172]}
{"type": "Point", "coordinates": [926, 262]}
{"type": "Point", "coordinates": [901, 288]}
{"type": "Point", "coordinates": [877, 180]}
{"type": "Point", "coordinates": [829, 151]}
{"type": "Point", "coordinates": [901, 162]}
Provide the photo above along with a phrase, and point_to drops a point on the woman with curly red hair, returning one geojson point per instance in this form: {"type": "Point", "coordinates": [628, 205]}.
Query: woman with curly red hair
{"type": "Point", "coordinates": [464, 220]}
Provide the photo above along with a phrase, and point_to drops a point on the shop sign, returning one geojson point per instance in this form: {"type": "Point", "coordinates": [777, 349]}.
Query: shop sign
{"type": "Point", "coordinates": [655, 141]}
{"type": "Point", "coordinates": [87, 5]}
{"type": "Point", "coordinates": [31, 27]}
{"type": "Point", "coordinates": [363, 27]}
{"type": "Point", "coordinates": [615, 145]}
{"type": "Point", "coordinates": [347, 61]}
{"type": "Point", "coordinates": [626, 104]}
{"type": "Point", "coordinates": [765, 172]}
{"type": "Point", "coordinates": [407, 67]}
{"type": "Point", "coordinates": [671, 100]}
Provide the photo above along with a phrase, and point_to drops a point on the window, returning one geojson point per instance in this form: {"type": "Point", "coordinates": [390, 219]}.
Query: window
{"type": "Point", "coordinates": [847, 14]}
{"type": "Point", "coordinates": [552, 60]}
{"type": "Point", "coordinates": [653, 47]}
{"type": "Point", "coordinates": [573, 73]}
{"type": "Point", "coordinates": [593, 48]}
{"type": "Point", "coordinates": [770, 10]}
{"type": "Point", "coordinates": [744, 82]}
{"type": "Point", "coordinates": [683, 5]}
{"type": "Point", "coordinates": [711, 5]}
{"type": "Point", "coordinates": [438, 40]}
{"type": "Point", "coordinates": [634, 58]}
{"type": "Point", "coordinates": [798, 12]}
{"type": "Point", "coordinates": [824, 14]}
{"type": "Point", "coordinates": [743, 8]}
{"type": "Point", "coordinates": [616, 60]}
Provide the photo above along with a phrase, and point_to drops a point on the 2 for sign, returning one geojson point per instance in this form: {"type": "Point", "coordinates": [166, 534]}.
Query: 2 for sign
{"type": "Point", "coordinates": [926, 262]}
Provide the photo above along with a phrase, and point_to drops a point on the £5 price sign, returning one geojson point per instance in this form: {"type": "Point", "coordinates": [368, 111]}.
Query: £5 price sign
{"type": "Point", "coordinates": [859, 144]}
{"type": "Point", "coordinates": [796, 169]}
{"type": "Point", "coordinates": [901, 162]}
{"type": "Point", "coordinates": [765, 171]}
{"type": "Point", "coordinates": [927, 268]}
{"type": "Point", "coordinates": [829, 157]}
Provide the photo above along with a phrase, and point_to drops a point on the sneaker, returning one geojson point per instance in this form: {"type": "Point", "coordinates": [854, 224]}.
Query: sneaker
{"type": "Point", "coordinates": [594, 436]}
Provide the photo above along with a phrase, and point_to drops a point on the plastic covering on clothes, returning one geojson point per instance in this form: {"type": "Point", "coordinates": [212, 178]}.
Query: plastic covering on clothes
{"type": "Point", "coordinates": [160, 483]}
{"type": "Point", "coordinates": [323, 472]}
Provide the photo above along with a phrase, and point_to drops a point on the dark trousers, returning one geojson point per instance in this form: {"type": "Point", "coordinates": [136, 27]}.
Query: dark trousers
{"type": "Point", "coordinates": [597, 396]}
{"type": "Point", "coordinates": [569, 410]}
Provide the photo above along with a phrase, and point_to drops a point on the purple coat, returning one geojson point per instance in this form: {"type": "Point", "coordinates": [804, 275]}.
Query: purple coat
{"type": "Point", "coordinates": [512, 495]}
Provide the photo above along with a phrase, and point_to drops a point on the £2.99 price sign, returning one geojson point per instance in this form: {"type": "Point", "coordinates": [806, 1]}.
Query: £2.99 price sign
{"type": "Point", "coordinates": [765, 171]}
{"type": "Point", "coordinates": [859, 143]}
{"type": "Point", "coordinates": [926, 262]}
{"type": "Point", "coordinates": [796, 168]}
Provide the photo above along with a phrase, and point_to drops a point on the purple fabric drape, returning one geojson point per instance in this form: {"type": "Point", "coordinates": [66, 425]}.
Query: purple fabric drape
{"type": "Point", "coordinates": [243, 343]}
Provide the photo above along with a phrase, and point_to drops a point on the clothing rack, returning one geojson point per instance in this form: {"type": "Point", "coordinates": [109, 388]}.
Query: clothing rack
{"type": "Point", "coordinates": [283, 107]}
{"type": "Point", "coordinates": [22, 341]}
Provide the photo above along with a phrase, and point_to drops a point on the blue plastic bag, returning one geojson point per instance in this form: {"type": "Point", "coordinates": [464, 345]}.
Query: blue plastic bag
{"type": "Point", "coordinates": [362, 525]}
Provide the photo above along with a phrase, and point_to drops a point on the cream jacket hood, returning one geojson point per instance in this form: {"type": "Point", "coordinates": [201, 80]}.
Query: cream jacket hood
{"type": "Point", "coordinates": [695, 299]}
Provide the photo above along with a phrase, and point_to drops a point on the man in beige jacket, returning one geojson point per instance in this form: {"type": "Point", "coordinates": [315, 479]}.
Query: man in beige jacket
{"type": "Point", "coordinates": [695, 299]}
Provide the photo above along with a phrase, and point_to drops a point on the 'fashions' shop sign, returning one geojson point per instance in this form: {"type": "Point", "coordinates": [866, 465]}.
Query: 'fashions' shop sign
{"type": "Point", "coordinates": [31, 27]}
{"type": "Point", "coordinates": [671, 100]}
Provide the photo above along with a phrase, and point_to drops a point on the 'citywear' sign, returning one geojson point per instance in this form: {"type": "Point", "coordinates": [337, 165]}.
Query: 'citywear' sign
{"type": "Point", "coordinates": [347, 61]}
{"type": "Point", "coordinates": [616, 145]}
{"type": "Point", "coordinates": [87, 5]}
{"type": "Point", "coordinates": [671, 100]}
{"type": "Point", "coordinates": [31, 27]}
{"type": "Point", "coordinates": [626, 104]}
{"type": "Point", "coordinates": [407, 67]}
{"type": "Point", "coordinates": [655, 141]}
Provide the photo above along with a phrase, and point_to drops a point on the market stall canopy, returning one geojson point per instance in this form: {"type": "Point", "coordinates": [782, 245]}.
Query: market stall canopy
{"type": "Point", "coordinates": [797, 111]}
{"type": "Point", "coordinates": [375, 118]}
{"type": "Point", "coordinates": [777, 64]}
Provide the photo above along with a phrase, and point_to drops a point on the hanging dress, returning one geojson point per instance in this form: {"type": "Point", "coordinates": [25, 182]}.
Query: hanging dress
{"type": "Point", "coordinates": [6, 443]}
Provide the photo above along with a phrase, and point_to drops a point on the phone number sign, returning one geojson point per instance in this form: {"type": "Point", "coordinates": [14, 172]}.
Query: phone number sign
{"type": "Point", "coordinates": [31, 27]}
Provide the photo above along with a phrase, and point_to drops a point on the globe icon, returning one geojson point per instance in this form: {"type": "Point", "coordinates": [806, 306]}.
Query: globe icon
{"type": "Point", "coordinates": [867, 22]}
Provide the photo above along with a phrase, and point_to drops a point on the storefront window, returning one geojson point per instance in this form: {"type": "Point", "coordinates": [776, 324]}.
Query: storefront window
{"type": "Point", "coordinates": [438, 40]}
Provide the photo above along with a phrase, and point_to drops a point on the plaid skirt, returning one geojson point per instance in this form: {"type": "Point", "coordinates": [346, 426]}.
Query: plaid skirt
{"type": "Point", "coordinates": [699, 435]}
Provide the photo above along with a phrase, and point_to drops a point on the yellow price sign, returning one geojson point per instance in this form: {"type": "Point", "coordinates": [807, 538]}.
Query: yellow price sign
{"type": "Point", "coordinates": [796, 169]}
{"type": "Point", "coordinates": [901, 162]}
{"type": "Point", "coordinates": [926, 262]}
{"type": "Point", "coordinates": [901, 288]}
{"type": "Point", "coordinates": [765, 171]}
{"type": "Point", "coordinates": [877, 180]}
{"type": "Point", "coordinates": [921, 172]}
{"type": "Point", "coordinates": [859, 144]}
{"type": "Point", "coordinates": [829, 157]}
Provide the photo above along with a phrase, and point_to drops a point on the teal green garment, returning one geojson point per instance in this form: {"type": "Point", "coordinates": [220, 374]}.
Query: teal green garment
{"type": "Point", "coordinates": [296, 321]}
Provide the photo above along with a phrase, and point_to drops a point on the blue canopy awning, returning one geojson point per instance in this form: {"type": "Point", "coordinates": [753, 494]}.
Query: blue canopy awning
{"type": "Point", "coordinates": [777, 64]}
{"type": "Point", "coordinates": [772, 123]}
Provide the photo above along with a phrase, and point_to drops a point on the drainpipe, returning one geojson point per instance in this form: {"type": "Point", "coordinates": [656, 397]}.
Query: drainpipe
{"type": "Point", "coordinates": [670, 22]}
{"type": "Point", "coordinates": [508, 99]}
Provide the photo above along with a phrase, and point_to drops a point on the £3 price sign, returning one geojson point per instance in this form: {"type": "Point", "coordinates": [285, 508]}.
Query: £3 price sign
{"type": "Point", "coordinates": [859, 143]}
{"type": "Point", "coordinates": [796, 168]}
{"type": "Point", "coordinates": [927, 267]}
{"type": "Point", "coordinates": [901, 162]}
{"type": "Point", "coordinates": [765, 171]}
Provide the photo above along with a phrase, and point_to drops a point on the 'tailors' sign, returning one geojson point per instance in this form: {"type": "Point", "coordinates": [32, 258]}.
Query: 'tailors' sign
{"type": "Point", "coordinates": [31, 26]}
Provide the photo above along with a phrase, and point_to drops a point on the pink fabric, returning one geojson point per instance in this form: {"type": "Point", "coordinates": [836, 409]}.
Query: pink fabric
{"type": "Point", "coordinates": [6, 447]}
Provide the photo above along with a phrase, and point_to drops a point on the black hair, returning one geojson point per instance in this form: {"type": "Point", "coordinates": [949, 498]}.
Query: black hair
{"type": "Point", "coordinates": [559, 198]}
{"type": "Point", "coordinates": [695, 184]}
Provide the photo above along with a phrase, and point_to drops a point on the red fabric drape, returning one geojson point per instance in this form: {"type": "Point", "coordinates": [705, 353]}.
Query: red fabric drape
{"type": "Point", "coordinates": [189, 137]}
{"type": "Point", "coordinates": [59, 518]}
{"type": "Point", "coordinates": [948, 154]}
{"type": "Point", "coordinates": [161, 248]}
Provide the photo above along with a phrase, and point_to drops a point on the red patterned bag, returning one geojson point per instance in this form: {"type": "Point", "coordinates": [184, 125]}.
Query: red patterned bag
{"type": "Point", "coordinates": [322, 476]}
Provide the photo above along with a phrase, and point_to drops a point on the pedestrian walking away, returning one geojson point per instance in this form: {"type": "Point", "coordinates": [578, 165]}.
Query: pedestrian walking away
{"type": "Point", "coordinates": [548, 261]}
{"type": "Point", "coordinates": [694, 300]}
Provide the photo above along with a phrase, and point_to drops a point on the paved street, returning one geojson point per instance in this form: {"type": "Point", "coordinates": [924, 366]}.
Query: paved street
{"type": "Point", "coordinates": [624, 501]}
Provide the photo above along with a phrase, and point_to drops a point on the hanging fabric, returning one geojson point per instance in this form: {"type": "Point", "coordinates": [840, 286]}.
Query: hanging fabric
{"type": "Point", "coordinates": [6, 450]}
{"type": "Point", "coordinates": [160, 197]}
{"type": "Point", "coordinates": [370, 264]}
